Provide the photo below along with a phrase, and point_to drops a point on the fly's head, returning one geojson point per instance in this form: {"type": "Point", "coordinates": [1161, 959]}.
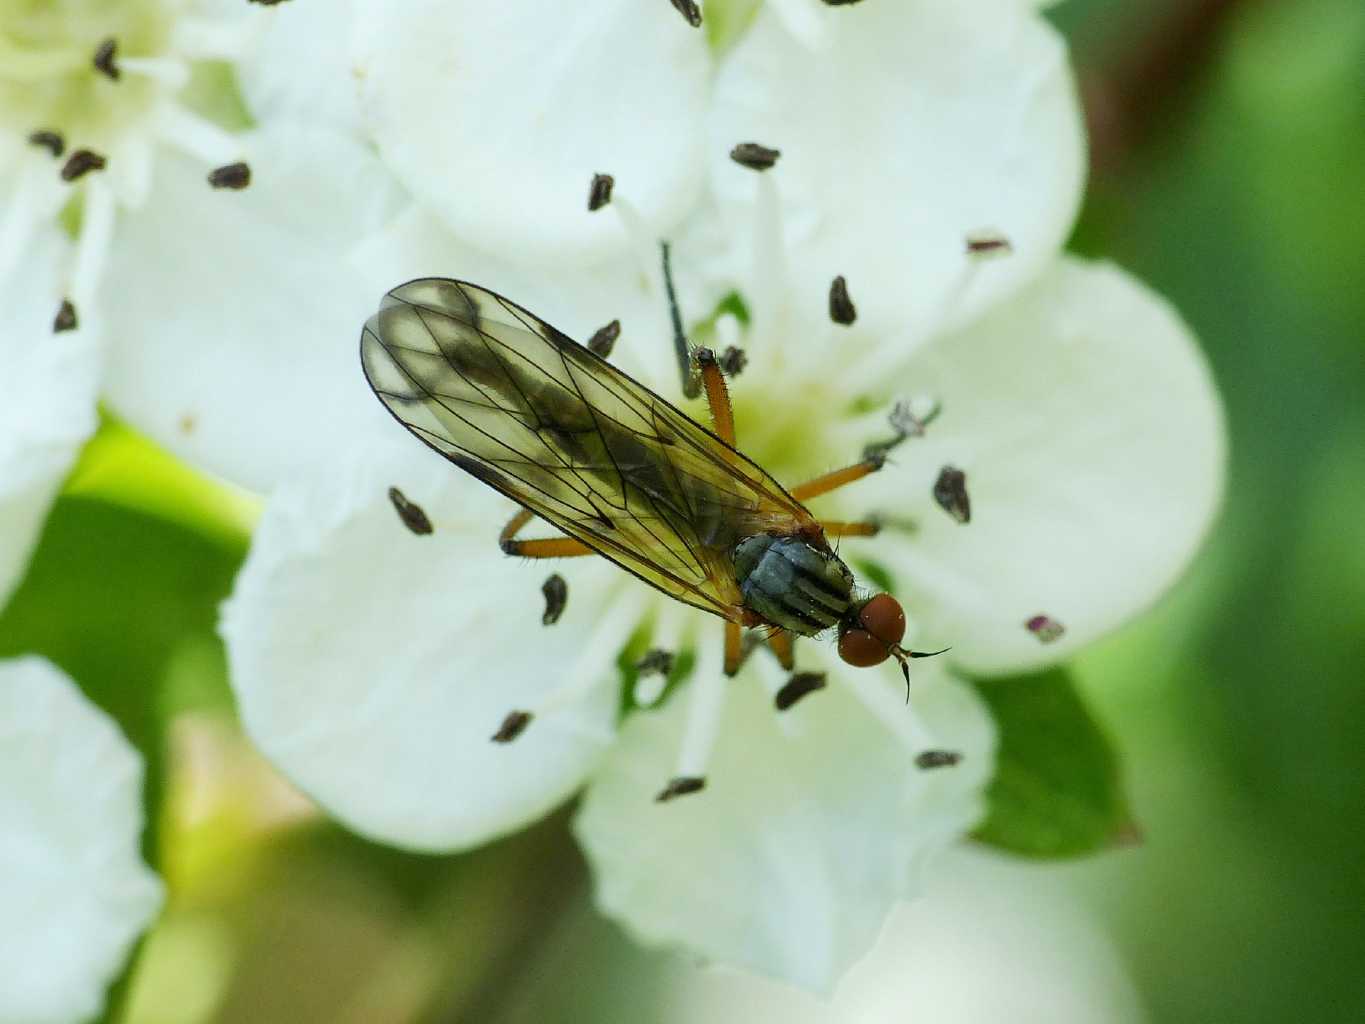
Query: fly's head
{"type": "Point", "coordinates": [872, 631]}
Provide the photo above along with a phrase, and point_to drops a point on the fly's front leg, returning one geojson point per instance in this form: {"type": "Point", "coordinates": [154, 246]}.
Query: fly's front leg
{"type": "Point", "coordinates": [552, 547]}
{"type": "Point", "coordinates": [784, 646]}
{"type": "Point", "coordinates": [832, 481]}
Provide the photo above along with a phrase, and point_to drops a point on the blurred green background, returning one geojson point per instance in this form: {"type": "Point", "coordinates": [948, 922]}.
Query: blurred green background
{"type": "Point", "coordinates": [1229, 172]}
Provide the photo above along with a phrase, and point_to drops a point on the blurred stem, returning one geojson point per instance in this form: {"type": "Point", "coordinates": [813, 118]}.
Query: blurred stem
{"type": "Point", "coordinates": [540, 875]}
{"type": "Point", "coordinates": [124, 468]}
{"type": "Point", "coordinates": [1134, 91]}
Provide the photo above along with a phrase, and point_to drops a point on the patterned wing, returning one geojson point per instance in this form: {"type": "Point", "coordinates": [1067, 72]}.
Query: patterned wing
{"type": "Point", "coordinates": [537, 416]}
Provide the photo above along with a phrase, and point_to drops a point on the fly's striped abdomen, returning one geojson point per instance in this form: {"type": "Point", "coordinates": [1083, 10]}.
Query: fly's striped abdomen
{"type": "Point", "coordinates": [792, 584]}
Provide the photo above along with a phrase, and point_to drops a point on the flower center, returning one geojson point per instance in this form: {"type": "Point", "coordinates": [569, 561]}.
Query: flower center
{"type": "Point", "coordinates": [58, 74]}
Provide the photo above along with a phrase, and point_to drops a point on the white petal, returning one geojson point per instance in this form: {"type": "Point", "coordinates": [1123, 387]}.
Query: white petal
{"type": "Point", "coordinates": [788, 862]}
{"type": "Point", "coordinates": [372, 665]}
{"type": "Point", "coordinates": [234, 317]}
{"type": "Point", "coordinates": [994, 940]}
{"type": "Point", "coordinates": [1092, 439]}
{"type": "Point", "coordinates": [300, 67]}
{"type": "Point", "coordinates": [914, 125]}
{"type": "Point", "coordinates": [498, 116]}
{"type": "Point", "coordinates": [47, 400]}
{"type": "Point", "coordinates": [74, 891]}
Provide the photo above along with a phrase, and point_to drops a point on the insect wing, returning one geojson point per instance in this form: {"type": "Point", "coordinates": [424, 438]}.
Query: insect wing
{"type": "Point", "coordinates": [530, 412]}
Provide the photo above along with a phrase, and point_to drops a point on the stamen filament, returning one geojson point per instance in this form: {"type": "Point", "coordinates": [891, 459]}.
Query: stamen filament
{"type": "Point", "coordinates": [92, 247]}
{"type": "Point", "coordinates": [600, 649]}
{"type": "Point", "coordinates": [706, 705]}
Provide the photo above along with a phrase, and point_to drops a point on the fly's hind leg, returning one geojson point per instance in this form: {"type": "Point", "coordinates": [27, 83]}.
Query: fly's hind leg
{"type": "Point", "coordinates": [717, 395]}
{"type": "Point", "coordinates": [550, 547]}
{"type": "Point", "coordinates": [784, 646]}
{"type": "Point", "coordinates": [837, 528]}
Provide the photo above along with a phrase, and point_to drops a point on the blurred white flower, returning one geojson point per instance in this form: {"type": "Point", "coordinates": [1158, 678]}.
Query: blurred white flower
{"type": "Point", "coordinates": [74, 891]}
{"type": "Point", "coordinates": [373, 665]}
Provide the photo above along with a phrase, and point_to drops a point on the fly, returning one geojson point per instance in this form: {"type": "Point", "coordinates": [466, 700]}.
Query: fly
{"type": "Point", "coordinates": [623, 473]}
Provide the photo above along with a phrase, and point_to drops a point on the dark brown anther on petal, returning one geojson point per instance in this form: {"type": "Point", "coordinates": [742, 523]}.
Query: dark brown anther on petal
{"type": "Point", "coordinates": [797, 687]}
{"type": "Point", "coordinates": [689, 10]}
{"type": "Point", "coordinates": [599, 192]}
{"type": "Point", "coordinates": [841, 308]}
{"type": "Point", "coordinates": [680, 786]}
{"type": "Point", "coordinates": [412, 514]}
{"type": "Point", "coordinates": [754, 156]}
{"type": "Point", "coordinates": [81, 163]}
{"type": "Point", "coordinates": [265, 3]}
{"type": "Point", "coordinates": [1045, 628]}
{"type": "Point", "coordinates": [104, 59]}
{"type": "Point", "coordinates": [841, 3]}
{"type": "Point", "coordinates": [950, 491]}
{"type": "Point", "coordinates": [656, 660]}
{"type": "Point", "coordinates": [937, 759]}
{"type": "Point", "coordinates": [50, 141]}
{"type": "Point", "coordinates": [231, 176]}
{"type": "Point", "coordinates": [604, 340]}
{"type": "Point", "coordinates": [512, 726]}
{"type": "Point", "coordinates": [988, 243]}
{"type": "Point", "coordinates": [556, 593]}
{"type": "Point", "coordinates": [65, 320]}
{"type": "Point", "coordinates": [733, 360]}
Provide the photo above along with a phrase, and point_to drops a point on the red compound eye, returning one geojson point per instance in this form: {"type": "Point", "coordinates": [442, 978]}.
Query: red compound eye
{"type": "Point", "coordinates": [859, 647]}
{"type": "Point", "coordinates": [884, 619]}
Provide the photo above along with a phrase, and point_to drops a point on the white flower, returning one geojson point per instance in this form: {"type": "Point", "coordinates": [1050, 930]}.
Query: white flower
{"type": "Point", "coordinates": [74, 892]}
{"type": "Point", "coordinates": [373, 665]}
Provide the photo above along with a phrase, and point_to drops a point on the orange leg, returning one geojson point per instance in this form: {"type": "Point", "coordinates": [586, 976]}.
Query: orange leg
{"type": "Point", "coordinates": [552, 547]}
{"type": "Point", "coordinates": [783, 645]}
{"type": "Point", "coordinates": [838, 478]}
{"type": "Point", "coordinates": [840, 529]}
{"type": "Point", "coordinates": [734, 648]}
{"type": "Point", "coordinates": [717, 395]}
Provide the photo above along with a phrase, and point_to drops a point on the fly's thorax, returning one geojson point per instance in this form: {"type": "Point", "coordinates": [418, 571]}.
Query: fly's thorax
{"type": "Point", "coordinates": [792, 584]}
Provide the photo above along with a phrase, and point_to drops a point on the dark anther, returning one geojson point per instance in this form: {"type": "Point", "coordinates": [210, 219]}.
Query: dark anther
{"type": "Point", "coordinates": [265, 3]}
{"type": "Point", "coordinates": [1045, 628]}
{"type": "Point", "coordinates": [841, 308]}
{"type": "Point", "coordinates": [680, 786]}
{"type": "Point", "coordinates": [65, 320]}
{"type": "Point", "coordinates": [988, 243]}
{"type": "Point", "coordinates": [950, 491]}
{"type": "Point", "coordinates": [797, 687]}
{"type": "Point", "coordinates": [512, 726]}
{"type": "Point", "coordinates": [82, 162]}
{"type": "Point", "coordinates": [104, 59]}
{"type": "Point", "coordinates": [754, 156]}
{"type": "Point", "coordinates": [604, 340]}
{"type": "Point", "coordinates": [656, 660]}
{"type": "Point", "coordinates": [599, 192]}
{"type": "Point", "coordinates": [50, 141]}
{"type": "Point", "coordinates": [937, 759]}
{"type": "Point", "coordinates": [689, 10]}
{"type": "Point", "coordinates": [234, 176]}
{"type": "Point", "coordinates": [412, 514]}
{"type": "Point", "coordinates": [556, 593]}
{"type": "Point", "coordinates": [842, 3]}
{"type": "Point", "coordinates": [733, 360]}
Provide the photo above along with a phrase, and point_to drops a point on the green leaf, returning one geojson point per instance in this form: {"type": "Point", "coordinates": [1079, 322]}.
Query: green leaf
{"type": "Point", "coordinates": [1057, 790]}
